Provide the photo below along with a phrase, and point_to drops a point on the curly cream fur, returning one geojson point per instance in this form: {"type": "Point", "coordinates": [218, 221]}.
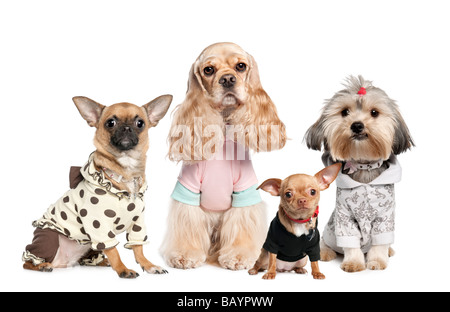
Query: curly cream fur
{"type": "Point", "coordinates": [255, 113]}
{"type": "Point", "coordinates": [209, 113]}
{"type": "Point", "coordinates": [194, 235]}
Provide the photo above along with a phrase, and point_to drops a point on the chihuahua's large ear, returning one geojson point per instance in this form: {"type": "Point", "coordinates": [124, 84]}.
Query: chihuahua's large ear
{"type": "Point", "coordinates": [89, 109]}
{"type": "Point", "coordinates": [157, 108]}
{"type": "Point", "coordinates": [327, 175]}
{"type": "Point", "coordinates": [272, 186]}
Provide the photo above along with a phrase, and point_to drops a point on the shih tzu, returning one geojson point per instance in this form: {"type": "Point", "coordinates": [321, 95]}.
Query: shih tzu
{"type": "Point", "coordinates": [362, 128]}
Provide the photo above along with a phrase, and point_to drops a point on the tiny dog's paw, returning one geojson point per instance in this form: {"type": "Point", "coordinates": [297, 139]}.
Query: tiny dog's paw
{"type": "Point", "coordinates": [352, 266]}
{"type": "Point", "coordinates": [127, 274]}
{"type": "Point", "coordinates": [269, 276]}
{"type": "Point", "coordinates": [42, 267]}
{"type": "Point", "coordinates": [300, 270]}
{"type": "Point", "coordinates": [154, 269]}
{"type": "Point", "coordinates": [253, 271]}
{"type": "Point", "coordinates": [318, 275]}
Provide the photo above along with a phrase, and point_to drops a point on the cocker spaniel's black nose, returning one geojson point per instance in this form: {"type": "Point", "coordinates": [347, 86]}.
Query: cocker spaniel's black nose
{"type": "Point", "coordinates": [227, 81]}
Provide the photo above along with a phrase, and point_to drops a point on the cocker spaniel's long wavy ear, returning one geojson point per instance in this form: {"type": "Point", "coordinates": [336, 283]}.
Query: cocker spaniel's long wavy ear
{"type": "Point", "coordinates": [195, 123]}
{"type": "Point", "coordinates": [264, 131]}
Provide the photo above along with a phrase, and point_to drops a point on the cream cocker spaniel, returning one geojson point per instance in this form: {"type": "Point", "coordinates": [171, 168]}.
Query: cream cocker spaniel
{"type": "Point", "coordinates": [216, 211]}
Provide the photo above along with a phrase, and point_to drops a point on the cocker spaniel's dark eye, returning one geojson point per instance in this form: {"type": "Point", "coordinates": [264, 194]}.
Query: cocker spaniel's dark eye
{"type": "Point", "coordinates": [241, 67]}
{"type": "Point", "coordinates": [208, 70]}
{"type": "Point", "coordinates": [345, 112]}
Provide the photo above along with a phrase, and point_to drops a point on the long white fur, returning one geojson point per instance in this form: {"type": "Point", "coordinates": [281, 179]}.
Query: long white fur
{"type": "Point", "coordinates": [194, 234]}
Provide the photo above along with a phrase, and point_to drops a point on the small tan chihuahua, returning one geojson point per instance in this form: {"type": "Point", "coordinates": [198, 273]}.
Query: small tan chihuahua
{"type": "Point", "coordinates": [108, 197]}
{"type": "Point", "coordinates": [293, 233]}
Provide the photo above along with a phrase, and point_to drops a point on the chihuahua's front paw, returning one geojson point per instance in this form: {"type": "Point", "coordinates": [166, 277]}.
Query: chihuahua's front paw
{"type": "Point", "coordinates": [269, 275]}
{"type": "Point", "coordinates": [318, 275]}
{"type": "Point", "coordinates": [154, 269]}
{"type": "Point", "coordinates": [188, 260]}
{"type": "Point", "coordinates": [127, 274]}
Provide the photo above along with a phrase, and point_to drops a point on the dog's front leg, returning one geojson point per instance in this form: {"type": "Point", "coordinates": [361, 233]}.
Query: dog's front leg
{"type": "Point", "coordinates": [241, 236]}
{"type": "Point", "coordinates": [187, 239]}
{"type": "Point", "coordinates": [272, 268]}
{"type": "Point", "coordinates": [315, 270]}
{"type": "Point", "coordinates": [117, 264]}
{"type": "Point", "coordinates": [145, 264]}
{"type": "Point", "coordinates": [353, 260]}
{"type": "Point", "coordinates": [377, 257]}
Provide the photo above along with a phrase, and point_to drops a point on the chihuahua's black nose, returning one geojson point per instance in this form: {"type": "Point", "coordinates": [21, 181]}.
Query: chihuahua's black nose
{"type": "Point", "coordinates": [357, 127]}
{"type": "Point", "coordinates": [126, 129]}
{"type": "Point", "coordinates": [227, 81]}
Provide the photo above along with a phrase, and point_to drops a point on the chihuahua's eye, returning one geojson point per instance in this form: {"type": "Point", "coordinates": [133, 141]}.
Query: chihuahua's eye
{"type": "Point", "coordinates": [110, 123]}
{"type": "Point", "coordinates": [208, 70]}
{"type": "Point", "coordinates": [374, 113]}
{"type": "Point", "coordinates": [313, 192]}
{"type": "Point", "coordinates": [140, 123]}
{"type": "Point", "coordinates": [288, 194]}
{"type": "Point", "coordinates": [241, 67]}
{"type": "Point", "coordinates": [345, 112]}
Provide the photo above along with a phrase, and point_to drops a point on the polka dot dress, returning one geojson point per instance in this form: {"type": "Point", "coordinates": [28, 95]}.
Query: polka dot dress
{"type": "Point", "coordinates": [95, 213]}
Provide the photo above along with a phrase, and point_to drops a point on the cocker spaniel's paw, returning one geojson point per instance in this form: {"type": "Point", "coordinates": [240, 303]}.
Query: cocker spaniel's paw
{"type": "Point", "coordinates": [186, 260]}
{"type": "Point", "coordinates": [237, 260]}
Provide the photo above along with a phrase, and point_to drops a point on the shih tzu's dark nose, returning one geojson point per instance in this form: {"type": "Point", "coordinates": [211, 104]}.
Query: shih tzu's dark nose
{"type": "Point", "coordinates": [227, 81]}
{"type": "Point", "coordinates": [357, 127]}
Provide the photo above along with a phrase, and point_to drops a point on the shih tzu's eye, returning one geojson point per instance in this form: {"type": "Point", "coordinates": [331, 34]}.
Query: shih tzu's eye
{"type": "Point", "coordinates": [313, 192]}
{"type": "Point", "coordinates": [288, 194]}
{"type": "Point", "coordinates": [374, 113]}
{"type": "Point", "coordinates": [140, 123]}
{"type": "Point", "coordinates": [208, 70]}
{"type": "Point", "coordinates": [110, 123]}
{"type": "Point", "coordinates": [241, 67]}
{"type": "Point", "coordinates": [345, 112]}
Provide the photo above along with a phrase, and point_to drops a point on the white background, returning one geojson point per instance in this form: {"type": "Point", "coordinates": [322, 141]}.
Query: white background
{"type": "Point", "coordinates": [113, 51]}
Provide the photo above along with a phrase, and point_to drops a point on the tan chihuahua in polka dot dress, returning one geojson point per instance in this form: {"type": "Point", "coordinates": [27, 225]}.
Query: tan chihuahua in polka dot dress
{"type": "Point", "coordinates": [106, 196]}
